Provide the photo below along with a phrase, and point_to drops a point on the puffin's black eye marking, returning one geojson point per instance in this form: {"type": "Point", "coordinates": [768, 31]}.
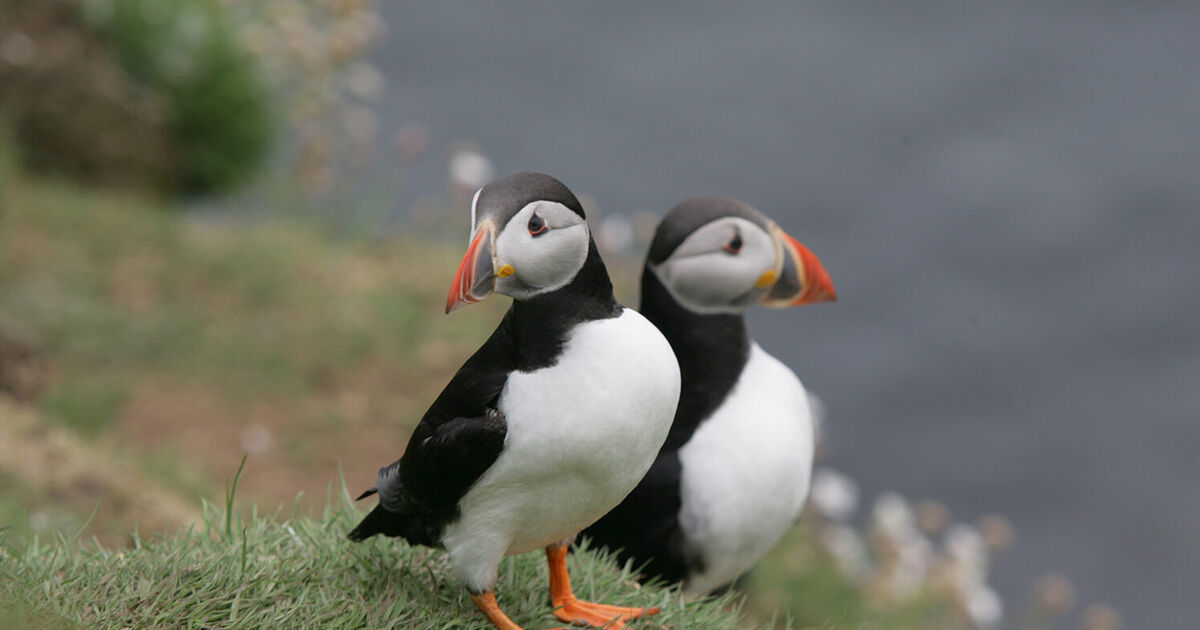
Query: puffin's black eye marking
{"type": "Point", "coordinates": [734, 246]}
{"type": "Point", "coordinates": [537, 226]}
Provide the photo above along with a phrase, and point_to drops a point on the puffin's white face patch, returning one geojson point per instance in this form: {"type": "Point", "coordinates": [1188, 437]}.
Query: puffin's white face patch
{"type": "Point", "coordinates": [544, 262]}
{"type": "Point", "coordinates": [703, 275]}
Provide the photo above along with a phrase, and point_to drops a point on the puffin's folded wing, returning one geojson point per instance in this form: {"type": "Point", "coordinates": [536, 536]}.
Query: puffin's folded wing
{"type": "Point", "coordinates": [438, 470]}
{"type": "Point", "coordinates": [419, 494]}
{"type": "Point", "coordinates": [462, 433]}
{"type": "Point", "coordinates": [459, 437]}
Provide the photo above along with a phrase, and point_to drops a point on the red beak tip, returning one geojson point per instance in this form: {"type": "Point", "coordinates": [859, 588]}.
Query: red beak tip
{"type": "Point", "coordinates": [821, 289]}
{"type": "Point", "coordinates": [828, 293]}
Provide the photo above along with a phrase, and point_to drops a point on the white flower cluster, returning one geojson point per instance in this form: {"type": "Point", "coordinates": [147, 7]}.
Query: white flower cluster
{"type": "Point", "coordinates": [899, 559]}
{"type": "Point", "coordinates": [314, 54]}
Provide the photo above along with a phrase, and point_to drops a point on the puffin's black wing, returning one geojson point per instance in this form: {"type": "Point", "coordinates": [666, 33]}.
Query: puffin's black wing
{"type": "Point", "coordinates": [458, 439]}
{"type": "Point", "coordinates": [435, 473]}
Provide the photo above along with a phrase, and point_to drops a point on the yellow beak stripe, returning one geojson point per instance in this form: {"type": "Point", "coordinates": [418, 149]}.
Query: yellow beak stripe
{"type": "Point", "coordinates": [767, 279]}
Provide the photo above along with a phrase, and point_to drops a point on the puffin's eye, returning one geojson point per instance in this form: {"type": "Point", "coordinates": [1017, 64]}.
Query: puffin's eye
{"type": "Point", "coordinates": [734, 246]}
{"type": "Point", "coordinates": [537, 226]}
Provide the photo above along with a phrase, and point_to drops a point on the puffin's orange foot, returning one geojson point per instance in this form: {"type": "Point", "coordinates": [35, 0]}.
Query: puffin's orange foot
{"type": "Point", "coordinates": [590, 614]}
{"type": "Point", "coordinates": [486, 603]}
{"type": "Point", "coordinates": [572, 610]}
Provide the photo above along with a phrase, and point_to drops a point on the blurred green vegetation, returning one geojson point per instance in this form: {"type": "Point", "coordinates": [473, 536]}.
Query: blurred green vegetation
{"type": "Point", "coordinates": [219, 114]}
{"type": "Point", "coordinates": [113, 286]}
{"type": "Point", "coordinates": [87, 404]}
{"type": "Point", "coordinates": [134, 93]}
{"type": "Point", "coordinates": [171, 342]}
{"type": "Point", "coordinates": [17, 614]}
{"type": "Point", "coordinates": [14, 507]}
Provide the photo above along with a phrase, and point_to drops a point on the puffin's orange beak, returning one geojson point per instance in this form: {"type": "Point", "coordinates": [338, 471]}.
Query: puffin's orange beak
{"type": "Point", "coordinates": [802, 278]}
{"type": "Point", "coordinates": [476, 276]}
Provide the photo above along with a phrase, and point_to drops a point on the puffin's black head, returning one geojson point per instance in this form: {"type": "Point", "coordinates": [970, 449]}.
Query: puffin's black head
{"type": "Point", "coordinates": [719, 255]}
{"type": "Point", "coordinates": [528, 237]}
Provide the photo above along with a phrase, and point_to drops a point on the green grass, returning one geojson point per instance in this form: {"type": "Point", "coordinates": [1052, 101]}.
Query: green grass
{"type": "Point", "coordinates": [87, 405]}
{"type": "Point", "coordinates": [301, 572]}
{"type": "Point", "coordinates": [16, 614]}
{"type": "Point", "coordinates": [15, 502]}
{"type": "Point", "coordinates": [112, 285]}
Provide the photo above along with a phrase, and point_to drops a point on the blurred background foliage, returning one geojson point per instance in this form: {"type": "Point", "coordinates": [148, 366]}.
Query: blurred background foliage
{"type": "Point", "coordinates": [190, 97]}
{"type": "Point", "coordinates": [217, 107]}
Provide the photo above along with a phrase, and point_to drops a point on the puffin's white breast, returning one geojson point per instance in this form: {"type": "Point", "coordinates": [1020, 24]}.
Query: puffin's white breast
{"type": "Point", "coordinates": [746, 471]}
{"type": "Point", "coordinates": [581, 434]}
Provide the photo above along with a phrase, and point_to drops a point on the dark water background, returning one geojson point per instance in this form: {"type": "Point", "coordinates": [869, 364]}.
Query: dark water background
{"type": "Point", "coordinates": [1007, 196]}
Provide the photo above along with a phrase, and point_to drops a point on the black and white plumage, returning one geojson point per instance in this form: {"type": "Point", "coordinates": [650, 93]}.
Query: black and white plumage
{"type": "Point", "coordinates": [734, 472]}
{"type": "Point", "coordinates": [551, 422]}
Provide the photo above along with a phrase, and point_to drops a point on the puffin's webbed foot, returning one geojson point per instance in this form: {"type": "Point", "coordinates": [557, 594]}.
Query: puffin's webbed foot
{"type": "Point", "coordinates": [486, 603]}
{"type": "Point", "coordinates": [572, 610]}
{"type": "Point", "coordinates": [598, 615]}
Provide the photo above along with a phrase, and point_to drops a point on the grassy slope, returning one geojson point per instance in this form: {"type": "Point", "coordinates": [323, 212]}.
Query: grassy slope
{"type": "Point", "coordinates": [167, 338]}
{"type": "Point", "coordinates": [299, 572]}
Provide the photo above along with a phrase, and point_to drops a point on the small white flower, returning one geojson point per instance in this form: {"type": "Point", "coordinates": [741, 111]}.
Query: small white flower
{"type": "Point", "coordinates": [470, 169]}
{"type": "Point", "coordinates": [834, 494]}
{"type": "Point", "coordinates": [364, 81]}
{"type": "Point", "coordinates": [893, 515]}
{"type": "Point", "coordinates": [256, 439]}
{"type": "Point", "coordinates": [615, 233]}
{"type": "Point", "coordinates": [967, 554]}
{"type": "Point", "coordinates": [847, 549]}
{"type": "Point", "coordinates": [984, 607]}
{"type": "Point", "coordinates": [18, 49]}
{"type": "Point", "coordinates": [914, 558]}
{"type": "Point", "coordinates": [38, 520]}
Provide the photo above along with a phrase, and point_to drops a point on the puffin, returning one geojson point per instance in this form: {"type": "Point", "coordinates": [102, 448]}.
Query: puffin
{"type": "Point", "coordinates": [734, 472]}
{"type": "Point", "coordinates": [550, 423]}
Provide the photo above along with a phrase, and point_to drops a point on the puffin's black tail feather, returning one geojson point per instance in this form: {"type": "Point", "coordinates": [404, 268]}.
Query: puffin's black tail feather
{"type": "Point", "coordinates": [405, 519]}
{"type": "Point", "coordinates": [379, 521]}
{"type": "Point", "coordinates": [418, 528]}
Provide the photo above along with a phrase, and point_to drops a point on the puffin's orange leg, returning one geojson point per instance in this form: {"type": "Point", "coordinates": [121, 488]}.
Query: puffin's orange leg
{"type": "Point", "coordinates": [572, 610]}
{"type": "Point", "coordinates": [486, 603]}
